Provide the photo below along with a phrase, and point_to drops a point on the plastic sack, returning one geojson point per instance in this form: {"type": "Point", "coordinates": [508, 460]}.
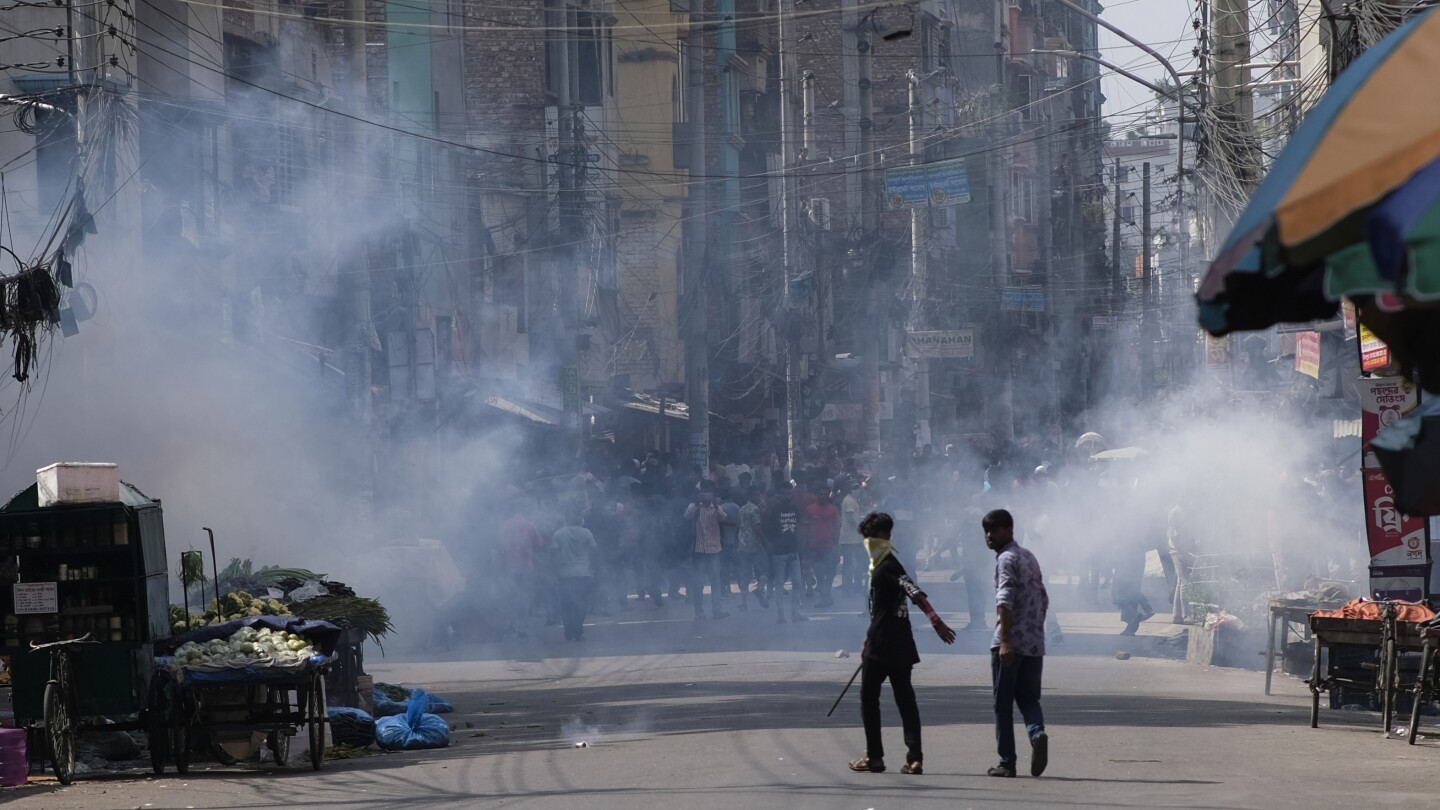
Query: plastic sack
{"type": "Point", "coordinates": [353, 727]}
{"type": "Point", "coordinates": [384, 705]}
{"type": "Point", "coordinates": [414, 730]}
{"type": "Point", "coordinates": [435, 703]}
{"type": "Point", "coordinates": [308, 591]}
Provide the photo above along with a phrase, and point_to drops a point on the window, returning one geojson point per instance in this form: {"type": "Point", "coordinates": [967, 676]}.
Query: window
{"type": "Point", "coordinates": [610, 61]}
{"type": "Point", "coordinates": [454, 16]}
{"type": "Point", "coordinates": [1020, 98]}
{"type": "Point", "coordinates": [587, 68]}
{"type": "Point", "coordinates": [678, 92]}
{"type": "Point", "coordinates": [1020, 206]}
{"type": "Point", "coordinates": [554, 56]}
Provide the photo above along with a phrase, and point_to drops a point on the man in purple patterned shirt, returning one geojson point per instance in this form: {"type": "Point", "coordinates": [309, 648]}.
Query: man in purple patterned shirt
{"type": "Point", "coordinates": [1017, 651]}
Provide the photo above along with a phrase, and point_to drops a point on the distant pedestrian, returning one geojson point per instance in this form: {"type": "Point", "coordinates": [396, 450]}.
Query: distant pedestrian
{"type": "Point", "coordinates": [782, 532]}
{"type": "Point", "coordinates": [889, 651]}
{"type": "Point", "coordinates": [753, 551]}
{"type": "Point", "coordinates": [1017, 651]}
{"type": "Point", "coordinates": [852, 546]}
{"type": "Point", "coordinates": [705, 552]}
{"type": "Point", "coordinates": [574, 551]}
{"type": "Point", "coordinates": [824, 545]}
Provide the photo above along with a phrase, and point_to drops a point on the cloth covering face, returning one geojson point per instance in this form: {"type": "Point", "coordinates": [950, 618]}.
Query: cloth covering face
{"type": "Point", "coordinates": [878, 548]}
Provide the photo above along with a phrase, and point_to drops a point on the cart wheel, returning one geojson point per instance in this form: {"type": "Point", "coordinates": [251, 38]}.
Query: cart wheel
{"type": "Point", "coordinates": [1388, 679]}
{"type": "Point", "coordinates": [156, 729]}
{"type": "Point", "coordinates": [315, 720]}
{"type": "Point", "coordinates": [60, 731]}
{"type": "Point", "coordinates": [279, 744]}
{"type": "Point", "coordinates": [180, 735]}
{"type": "Point", "coordinates": [1422, 691]}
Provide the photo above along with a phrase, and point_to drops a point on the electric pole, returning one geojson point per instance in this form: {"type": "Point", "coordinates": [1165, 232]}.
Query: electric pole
{"type": "Point", "coordinates": [787, 230]}
{"type": "Point", "coordinates": [694, 320]}
{"type": "Point", "coordinates": [1147, 322]}
{"type": "Point", "coordinates": [869, 221]}
{"type": "Point", "coordinates": [919, 281]}
{"type": "Point", "coordinates": [1117, 279]}
{"type": "Point", "coordinates": [358, 371]}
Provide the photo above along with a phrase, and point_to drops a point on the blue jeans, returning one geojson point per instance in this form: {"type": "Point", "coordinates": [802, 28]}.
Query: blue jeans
{"type": "Point", "coordinates": [1016, 685]}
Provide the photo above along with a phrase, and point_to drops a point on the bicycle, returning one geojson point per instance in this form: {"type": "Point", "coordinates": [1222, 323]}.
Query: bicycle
{"type": "Point", "coordinates": [60, 717]}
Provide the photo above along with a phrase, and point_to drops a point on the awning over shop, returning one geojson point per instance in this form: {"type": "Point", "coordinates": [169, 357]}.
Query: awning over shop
{"type": "Point", "coordinates": [518, 409]}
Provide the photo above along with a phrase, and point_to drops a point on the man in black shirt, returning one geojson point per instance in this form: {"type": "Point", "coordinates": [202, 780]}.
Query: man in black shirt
{"type": "Point", "coordinates": [782, 530]}
{"type": "Point", "coordinates": [889, 650]}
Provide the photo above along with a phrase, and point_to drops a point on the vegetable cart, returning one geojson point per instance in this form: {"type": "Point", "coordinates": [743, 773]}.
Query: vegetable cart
{"type": "Point", "coordinates": [1384, 640]}
{"type": "Point", "coordinates": [83, 598]}
{"type": "Point", "coordinates": [205, 702]}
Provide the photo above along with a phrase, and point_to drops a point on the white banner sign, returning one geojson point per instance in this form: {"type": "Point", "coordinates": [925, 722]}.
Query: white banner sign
{"type": "Point", "coordinates": [949, 343]}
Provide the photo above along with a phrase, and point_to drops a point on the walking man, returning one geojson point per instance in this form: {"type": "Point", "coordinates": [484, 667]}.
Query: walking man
{"type": "Point", "coordinates": [575, 551]}
{"type": "Point", "coordinates": [1017, 652]}
{"type": "Point", "coordinates": [783, 537]}
{"type": "Point", "coordinates": [889, 650]}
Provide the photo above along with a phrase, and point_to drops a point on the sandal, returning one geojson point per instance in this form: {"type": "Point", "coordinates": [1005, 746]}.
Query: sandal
{"type": "Point", "coordinates": [864, 765]}
{"type": "Point", "coordinates": [913, 768]}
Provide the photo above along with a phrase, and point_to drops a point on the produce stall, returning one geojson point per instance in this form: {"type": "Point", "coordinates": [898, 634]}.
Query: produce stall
{"type": "Point", "coordinates": [83, 596]}
{"type": "Point", "coordinates": [1377, 634]}
{"type": "Point", "coordinates": [256, 675]}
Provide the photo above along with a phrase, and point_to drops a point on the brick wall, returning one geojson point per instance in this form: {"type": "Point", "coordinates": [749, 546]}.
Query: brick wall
{"type": "Point", "coordinates": [505, 87]}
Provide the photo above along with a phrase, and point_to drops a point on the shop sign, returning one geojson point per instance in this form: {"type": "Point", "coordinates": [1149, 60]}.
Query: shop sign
{"type": "Point", "coordinates": [943, 182]}
{"type": "Point", "coordinates": [939, 344]}
{"type": "Point", "coordinates": [1374, 354]}
{"type": "Point", "coordinates": [1395, 538]}
{"type": "Point", "coordinates": [36, 597]}
{"type": "Point", "coordinates": [1383, 402]}
{"type": "Point", "coordinates": [1307, 354]}
{"type": "Point", "coordinates": [1217, 351]}
{"type": "Point", "coordinates": [1408, 583]}
{"type": "Point", "coordinates": [1022, 299]}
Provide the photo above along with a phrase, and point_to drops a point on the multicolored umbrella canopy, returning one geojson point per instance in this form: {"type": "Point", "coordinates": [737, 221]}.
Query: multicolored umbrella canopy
{"type": "Point", "coordinates": [1351, 206]}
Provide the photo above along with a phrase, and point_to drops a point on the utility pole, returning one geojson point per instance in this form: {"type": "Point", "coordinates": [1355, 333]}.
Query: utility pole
{"type": "Point", "coordinates": [1117, 278]}
{"type": "Point", "coordinates": [869, 220]}
{"type": "Point", "coordinates": [358, 371]}
{"type": "Point", "coordinates": [919, 281]}
{"type": "Point", "coordinates": [1147, 316]}
{"type": "Point", "coordinates": [697, 350]}
{"type": "Point", "coordinates": [787, 230]}
{"type": "Point", "coordinates": [1234, 98]}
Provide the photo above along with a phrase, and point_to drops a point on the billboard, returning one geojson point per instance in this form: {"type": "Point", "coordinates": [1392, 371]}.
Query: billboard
{"type": "Point", "coordinates": [1307, 354]}
{"type": "Point", "coordinates": [949, 343]}
{"type": "Point", "coordinates": [1374, 354]}
{"type": "Point", "coordinates": [943, 182]}
{"type": "Point", "coordinates": [1399, 544]}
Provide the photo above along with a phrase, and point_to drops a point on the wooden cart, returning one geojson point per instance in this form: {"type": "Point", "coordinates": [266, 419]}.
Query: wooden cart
{"type": "Point", "coordinates": [1385, 638]}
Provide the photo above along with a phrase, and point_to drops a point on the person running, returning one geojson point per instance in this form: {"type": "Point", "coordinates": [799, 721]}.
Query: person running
{"type": "Point", "coordinates": [889, 651]}
{"type": "Point", "coordinates": [1017, 651]}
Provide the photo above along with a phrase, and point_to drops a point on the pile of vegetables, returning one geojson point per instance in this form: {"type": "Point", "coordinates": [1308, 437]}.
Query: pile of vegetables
{"type": "Point", "coordinates": [237, 605]}
{"type": "Point", "coordinates": [366, 615]}
{"type": "Point", "coordinates": [246, 647]}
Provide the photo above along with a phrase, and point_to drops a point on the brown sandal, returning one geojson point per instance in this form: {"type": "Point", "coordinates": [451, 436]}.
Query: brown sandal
{"type": "Point", "coordinates": [913, 768]}
{"type": "Point", "coordinates": [864, 765]}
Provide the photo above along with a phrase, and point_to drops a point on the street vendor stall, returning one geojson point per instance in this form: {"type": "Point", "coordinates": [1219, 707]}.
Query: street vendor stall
{"type": "Point", "coordinates": [258, 675]}
{"type": "Point", "coordinates": [83, 597]}
{"type": "Point", "coordinates": [1382, 631]}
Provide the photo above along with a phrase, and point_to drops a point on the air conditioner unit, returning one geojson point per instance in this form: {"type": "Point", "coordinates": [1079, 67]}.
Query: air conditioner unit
{"type": "Point", "coordinates": [820, 212]}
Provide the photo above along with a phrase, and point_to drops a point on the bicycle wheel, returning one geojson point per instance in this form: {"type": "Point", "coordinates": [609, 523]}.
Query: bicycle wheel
{"type": "Point", "coordinates": [156, 729]}
{"type": "Point", "coordinates": [60, 730]}
{"type": "Point", "coordinates": [181, 734]}
{"type": "Point", "coordinates": [278, 741]}
{"type": "Point", "coordinates": [315, 719]}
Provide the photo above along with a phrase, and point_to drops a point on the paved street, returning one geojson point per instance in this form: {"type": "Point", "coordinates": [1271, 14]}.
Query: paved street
{"type": "Point", "coordinates": [683, 714]}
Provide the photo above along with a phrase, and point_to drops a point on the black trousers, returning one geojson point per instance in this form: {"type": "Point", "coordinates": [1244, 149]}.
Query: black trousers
{"type": "Point", "coordinates": [872, 674]}
{"type": "Point", "coordinates": [574, 604]}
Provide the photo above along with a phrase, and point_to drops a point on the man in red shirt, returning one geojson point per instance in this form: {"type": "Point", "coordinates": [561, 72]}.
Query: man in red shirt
{"type": "Point", "coordinates": [802, 499]}
{"type": "Point", "coordinates": [823, 545]}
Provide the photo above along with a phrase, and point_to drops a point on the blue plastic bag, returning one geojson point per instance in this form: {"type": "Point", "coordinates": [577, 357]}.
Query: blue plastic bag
{"type": "Point", "coordinates": [353, 727]}
{"type": "Point", "coordinates": [384, 706]}
{"type": "Point", "coordinates": [414, 730]}
{"type": "Point", "coordinates": [437, 704]}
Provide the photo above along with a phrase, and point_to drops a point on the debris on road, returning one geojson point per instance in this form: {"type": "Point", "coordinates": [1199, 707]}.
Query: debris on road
{"type": "Point", "coordinates": [1122, 656]}
{"type": "Point", "coordinates": [842, 654]}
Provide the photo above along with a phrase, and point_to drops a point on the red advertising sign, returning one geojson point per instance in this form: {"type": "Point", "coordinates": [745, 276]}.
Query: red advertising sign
{"type": "Point", "coordinates": [1307, 354]}
{"type": "Point", "coordinates": [1395, 538]}
{"type": "Point", "coordinates": [1383, 402]}
{"type": "Point", "coordinates": [1373, 351]}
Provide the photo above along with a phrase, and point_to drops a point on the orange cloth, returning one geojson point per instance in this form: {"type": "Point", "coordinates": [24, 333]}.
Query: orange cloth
{"type": "Point", "coordinates": [1366, 609]}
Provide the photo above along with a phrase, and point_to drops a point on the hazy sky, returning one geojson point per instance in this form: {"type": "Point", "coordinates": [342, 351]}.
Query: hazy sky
{"type": "Point", "coordinates": [1163, 25]}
